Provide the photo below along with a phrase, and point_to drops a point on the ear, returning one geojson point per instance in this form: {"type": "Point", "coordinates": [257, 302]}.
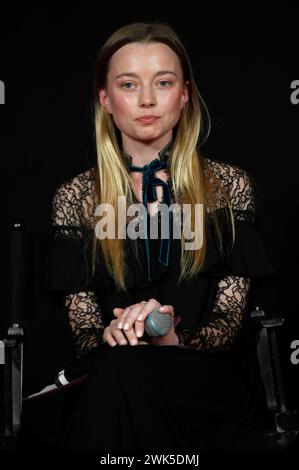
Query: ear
{"type": "Point", "coordinates": [185, 94]}
{"type": "Point", "coordinates": [104, 100]}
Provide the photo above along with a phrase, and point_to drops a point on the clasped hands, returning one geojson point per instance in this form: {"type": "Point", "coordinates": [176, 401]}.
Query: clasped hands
{"type": "Point", "coordinates": [129, 325]}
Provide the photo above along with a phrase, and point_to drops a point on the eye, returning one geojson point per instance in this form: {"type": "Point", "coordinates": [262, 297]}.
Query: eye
{"type": "Point", "coordinates": [127, 85]}
{"type": "Point", "coordinates": [165, 83]}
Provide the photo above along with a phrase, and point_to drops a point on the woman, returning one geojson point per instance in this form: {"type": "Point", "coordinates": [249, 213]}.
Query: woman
{"type": "Point", "coordinates": [199, 390]}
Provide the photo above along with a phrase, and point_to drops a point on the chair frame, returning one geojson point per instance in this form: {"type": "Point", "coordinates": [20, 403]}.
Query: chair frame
{"type": "Point", "coordinates": [286, 424]}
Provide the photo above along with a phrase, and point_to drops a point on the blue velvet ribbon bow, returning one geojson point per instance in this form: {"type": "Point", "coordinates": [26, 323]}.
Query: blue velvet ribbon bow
{"type": "Point", "coordinates": [149, 194]}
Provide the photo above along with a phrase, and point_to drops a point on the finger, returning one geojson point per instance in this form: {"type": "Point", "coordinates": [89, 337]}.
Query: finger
{"type": "Point", "coordinates": [108, 338]}
{"type": "Point", "coordinates": [128, 318]}
{"type": "Point", "coordinates": [167, 309]}
{"type": "Point", "coordinates": [145, 310]}
{"type": "Point", "coordinates": [132, 328]}
{"type": "Point", "coordinates": [139, 328]}
{"type": "Point", "coordinates": [117, 335]}
{"type": "Point", "coordinates": [131, 318]}
{"type": "Point", "coordinates": [123, 316]}
{"type": "Point", "coordinates": [118, 311]}
{"type": "Point", "coordinates": [131, 336]}
{"type": "Point", "coordinates": [120, 336]}
{"type": "Point", "coordinates": [148, 308]}
{"type": "Point", "coordinates": [139, 324]}
{"type": "Point", "coordinates": [132, 321]}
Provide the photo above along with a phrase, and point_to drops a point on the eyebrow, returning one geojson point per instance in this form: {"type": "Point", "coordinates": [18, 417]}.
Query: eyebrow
{"type": "Point", "coordinates": [132, 74]}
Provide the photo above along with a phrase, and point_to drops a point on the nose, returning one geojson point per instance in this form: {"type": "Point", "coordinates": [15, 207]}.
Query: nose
{"type": "Point", "coordinates": [147, 97]}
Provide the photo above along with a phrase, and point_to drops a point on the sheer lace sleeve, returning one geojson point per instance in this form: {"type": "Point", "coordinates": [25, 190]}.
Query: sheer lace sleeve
{"type": "Point", "coordinates": [239, 186]}
{"type": "Point", "coordinates": [85, 320]}
{"type": "Point", "coordinates": [225, 322]}
{"type": "Point", "coordinates": [220, 331]}
{"type": "Point", "coordinates": [71, 209]}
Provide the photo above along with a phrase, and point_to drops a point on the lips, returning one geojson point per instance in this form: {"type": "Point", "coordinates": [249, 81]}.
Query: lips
{"type": "Point", "coordinates": [147, 119]}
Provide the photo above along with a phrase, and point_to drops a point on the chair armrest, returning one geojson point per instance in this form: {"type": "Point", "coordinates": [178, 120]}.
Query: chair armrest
{"type": "Point", "coordinates": [12, 363]}
{"type": "Point", "coordinates": [286, 421]}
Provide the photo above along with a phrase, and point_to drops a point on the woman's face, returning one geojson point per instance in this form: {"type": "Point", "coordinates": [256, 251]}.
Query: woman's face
{"type": "Point", "coordinates": [144, 80]}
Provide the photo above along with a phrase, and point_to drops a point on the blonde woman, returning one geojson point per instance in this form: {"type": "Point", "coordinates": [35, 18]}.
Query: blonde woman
{"type": "Point", "coordinates": [198, 390]}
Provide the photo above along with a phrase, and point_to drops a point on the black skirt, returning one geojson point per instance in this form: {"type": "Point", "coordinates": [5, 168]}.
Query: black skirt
{"type": "Point", "coordinates": [166, 398]}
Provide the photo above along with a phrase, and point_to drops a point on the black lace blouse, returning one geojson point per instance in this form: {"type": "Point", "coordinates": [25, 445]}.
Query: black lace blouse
{"type": "Point", "coordinates": [212, 305]}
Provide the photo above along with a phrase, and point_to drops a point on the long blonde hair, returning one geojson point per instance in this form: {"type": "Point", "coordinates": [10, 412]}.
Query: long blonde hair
{"type": "Point", "coordinates": [190, 183]}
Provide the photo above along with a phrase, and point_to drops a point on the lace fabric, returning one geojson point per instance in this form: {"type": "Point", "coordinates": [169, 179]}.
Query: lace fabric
{"type": "Point", "coordinates": [221, 330]}
{"type": "Point", "coordinates": [74, 205]}
{"type": "Point", "coordinates": [85, 320]}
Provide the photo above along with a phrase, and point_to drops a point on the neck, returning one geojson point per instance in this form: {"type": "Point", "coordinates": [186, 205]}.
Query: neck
{"type": "Point", "coordinates": [143, 153]}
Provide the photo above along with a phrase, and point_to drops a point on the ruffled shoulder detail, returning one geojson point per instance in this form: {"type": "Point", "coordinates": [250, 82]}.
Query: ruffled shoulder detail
{"type": "Point", "coordinates": [245, 257]}
{"type": "Point", "coordinates": [68, 268]}
{"type": "Point", "coordinates": [248, 256]}
{"type": "Point", "coordinates": [69, 262]}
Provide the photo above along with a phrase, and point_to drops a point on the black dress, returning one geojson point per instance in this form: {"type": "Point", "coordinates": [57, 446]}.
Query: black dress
{"type": "Point", "coordinates": [202, 395]}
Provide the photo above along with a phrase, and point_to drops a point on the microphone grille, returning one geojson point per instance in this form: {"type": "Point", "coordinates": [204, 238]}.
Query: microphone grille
{"type": "Point", "coordinates": [157, 323]}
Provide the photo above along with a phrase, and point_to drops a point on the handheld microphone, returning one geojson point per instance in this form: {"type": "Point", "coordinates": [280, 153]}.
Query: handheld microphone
{"type": "Point", "coordinates": [157, 323]}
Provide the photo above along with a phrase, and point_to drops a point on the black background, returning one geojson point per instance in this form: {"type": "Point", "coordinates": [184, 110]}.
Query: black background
{"type": "Point", "coordinates": [244, 62]}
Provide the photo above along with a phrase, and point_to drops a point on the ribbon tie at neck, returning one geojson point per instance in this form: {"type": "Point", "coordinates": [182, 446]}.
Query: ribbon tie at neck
{"type": "Point", "coordinates": [149, 194]}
